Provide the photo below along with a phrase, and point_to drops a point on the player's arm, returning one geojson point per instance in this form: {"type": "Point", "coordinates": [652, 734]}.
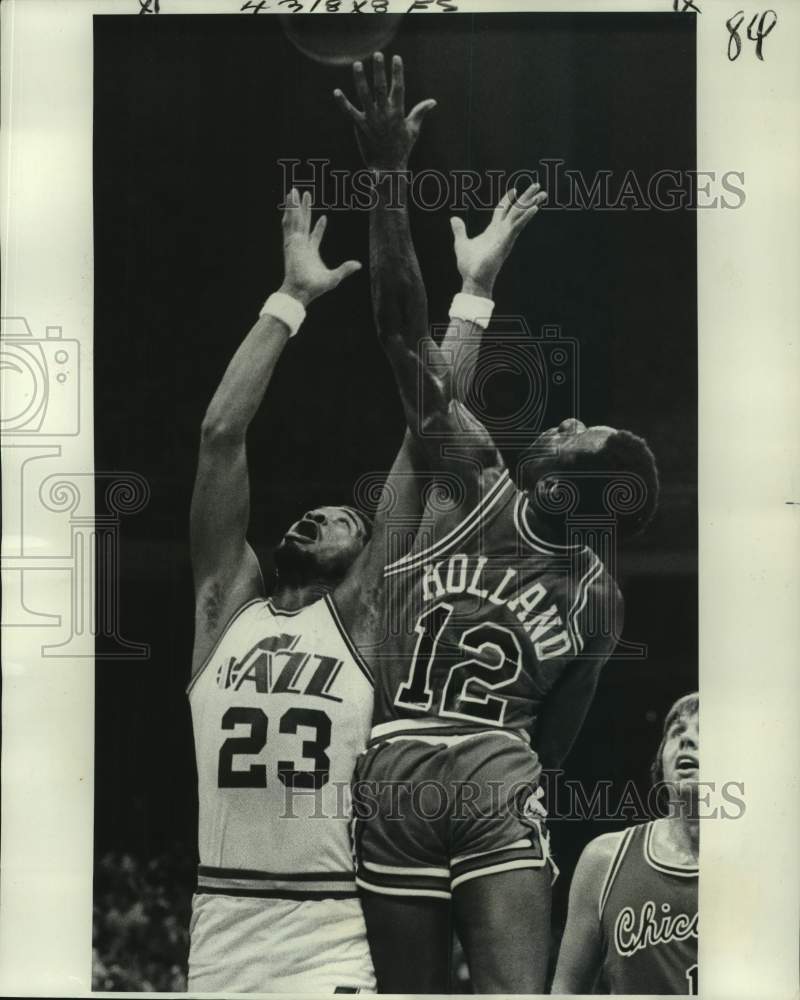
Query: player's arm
{"type": "Point", "coordinates": [386, 137]}
{"type": "Point", "coordinates": [225, 569]}
{"type": "Point", "coordinates": [479, 260]}
{"type": "Point", "coordinates": [359, 597]}
{"type": "Point", "coordinates": [565, 707]}
{"type": "Point", "coordinates": [564, 711]}
{"type": "Point", "coordinates": [581, 953]}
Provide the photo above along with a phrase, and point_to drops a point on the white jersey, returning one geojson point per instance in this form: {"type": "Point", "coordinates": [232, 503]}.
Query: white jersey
{"type": "Point", "coordinates": [280, 712]}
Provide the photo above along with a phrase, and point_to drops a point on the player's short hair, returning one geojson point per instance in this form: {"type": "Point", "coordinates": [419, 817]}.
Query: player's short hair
{"type": "Point", "coordinates": [366, 523]}
{"type": "Point", "coordinates": [687, 705]}
{"type": "Point", "coordinates": [628, 453]}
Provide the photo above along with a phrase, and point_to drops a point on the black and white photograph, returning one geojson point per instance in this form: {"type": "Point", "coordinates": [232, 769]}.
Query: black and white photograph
{"type": "Point", "coordinates": [419, 348]}
{"type": "Point", "coordinates": [383, 476]}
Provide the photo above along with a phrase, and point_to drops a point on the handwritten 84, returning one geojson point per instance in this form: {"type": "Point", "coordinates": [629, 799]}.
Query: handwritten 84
{"type": "Point", "coordinates": [758, 28]}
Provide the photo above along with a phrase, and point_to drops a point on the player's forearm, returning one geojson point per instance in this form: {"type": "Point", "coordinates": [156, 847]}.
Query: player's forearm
{"type": "Point", "coordinates": [461, 344]}
{"type": "Point", "coordinates": [399, 300]}
{"type": "Point", "coordinates": [460, 347]}
{"type": "Point", "coordinates": [245, 381]}
{"type": "Point", "coordinates": [580, 951]}
{"type": "Point", "coordinates": [400, 306]}
{"type": "Point", "coordinates": [576, 975]}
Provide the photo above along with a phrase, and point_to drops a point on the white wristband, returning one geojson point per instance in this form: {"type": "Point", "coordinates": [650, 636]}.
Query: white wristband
{"type": "Point", "coordinates": [285, 308]}
{"type": "Point", "coordinates": [473, 308]}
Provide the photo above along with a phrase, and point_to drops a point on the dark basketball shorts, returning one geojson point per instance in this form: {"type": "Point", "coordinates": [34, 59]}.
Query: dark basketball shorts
{"type": "Point", "coordinates": [437, 808]}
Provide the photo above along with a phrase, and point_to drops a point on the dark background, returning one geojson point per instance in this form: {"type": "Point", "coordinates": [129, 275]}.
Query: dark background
{"type": "Point", "coordinates": [191, 115]}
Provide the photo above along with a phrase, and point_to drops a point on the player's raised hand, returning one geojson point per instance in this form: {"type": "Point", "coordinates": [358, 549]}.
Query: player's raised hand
{"type": "Point", "coordinates": [479, 259]}
{"type": "Point", "coordinates": [385, 134]}
{"type": "Point", "coordinates": [306, 277]}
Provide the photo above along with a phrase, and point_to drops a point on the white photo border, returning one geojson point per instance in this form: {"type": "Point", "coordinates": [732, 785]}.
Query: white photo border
{"type": "Point", "coordinates": [749, 491]}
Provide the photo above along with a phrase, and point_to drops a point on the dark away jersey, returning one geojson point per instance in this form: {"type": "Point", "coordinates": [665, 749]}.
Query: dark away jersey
{"type": "Point", "coordinates": [648, 919]}
{"type": "Point", "coordinates": [484, 622]}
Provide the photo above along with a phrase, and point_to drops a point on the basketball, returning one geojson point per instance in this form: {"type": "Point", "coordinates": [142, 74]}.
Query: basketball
{"type": "Point", "coordinates": [339, 44]}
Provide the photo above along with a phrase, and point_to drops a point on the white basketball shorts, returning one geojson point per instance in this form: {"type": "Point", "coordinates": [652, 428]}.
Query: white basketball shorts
{"type": "Point", "coordinates": [254, 945]}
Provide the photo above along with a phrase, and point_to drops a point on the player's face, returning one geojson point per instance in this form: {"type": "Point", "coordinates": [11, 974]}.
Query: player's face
{"type": "Point", "coordinates": [562, 446]}
{"type": "Point", "coordinates": [325, 541]}
{"type": "Point", "coordinates": [680, 758]}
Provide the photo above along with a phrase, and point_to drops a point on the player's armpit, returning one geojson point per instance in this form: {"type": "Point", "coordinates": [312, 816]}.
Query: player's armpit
{"type": "Point", "coordinates": [580, 954]}
{"type": "Point", "coordinates": [218, 598]}
{"type": "Point", "coordinates": [468, 464]}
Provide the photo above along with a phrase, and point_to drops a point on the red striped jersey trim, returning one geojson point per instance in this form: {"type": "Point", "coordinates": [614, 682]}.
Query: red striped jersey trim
{"type": "Point", "coordinates": [360, 662]}
{"type": "Point", "coordinates": [435, 731]}
{"type": "Point", "coordinates": [613, 870]}
{"type": "Point", "coordinates": [275, 885]}
{"type": "Point", "coordinates": [594, 572]}
{"type": "Point", "coordinates": [296, 894]}
{"type": "Point", "coordinates": [496, 868]}
{"type": "Point", "coordinates": [250, 873]}
{"type": "Point", "coordinates": [479, 513]}
{"type": "Point", "coordinates": [541, 545]}
{"type": "Point", "coordinates": [404, 886]}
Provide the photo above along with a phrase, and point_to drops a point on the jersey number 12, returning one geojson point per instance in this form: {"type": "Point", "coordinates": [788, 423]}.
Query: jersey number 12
{"type": "Point", "coordinates": [494, 661]}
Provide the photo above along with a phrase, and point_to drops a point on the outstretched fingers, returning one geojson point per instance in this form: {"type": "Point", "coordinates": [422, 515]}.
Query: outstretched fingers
{"type": "Point", "coordinates": [532, 195]}
{"type": "Point", "coordinates": [345, 270]}
{"type": "Point", "coordinates": [527, 196]}
{"type": "Point", "coordinates": [505, 204]}
{"type": "Point", "coordinates": [525, 217]}
{"type": "Point", "coordinates": [526, 206]}
{"type": "Point", "coordinates": [305, 212]}
{"type": "Point", "coordinates": [418, 112]}
{"type": "Point", "coordinates": [379, 81]}
{"type": "Point", "coordinates": [362, 87]}
{"type": "Point", "coordinates": [356, 116]}
{"type": "Point", "coordinates": [319, 230]}
{"type": "Point", "coordinates": [397, 95]}
{"type": "Point", "coordinates": [291, 212]}
{"type": "Point", "coordinates": [459, 229]}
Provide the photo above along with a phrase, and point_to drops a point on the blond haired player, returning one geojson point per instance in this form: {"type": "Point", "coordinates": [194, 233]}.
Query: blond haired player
{"type": "Point", "coordinates": [632, 922]}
